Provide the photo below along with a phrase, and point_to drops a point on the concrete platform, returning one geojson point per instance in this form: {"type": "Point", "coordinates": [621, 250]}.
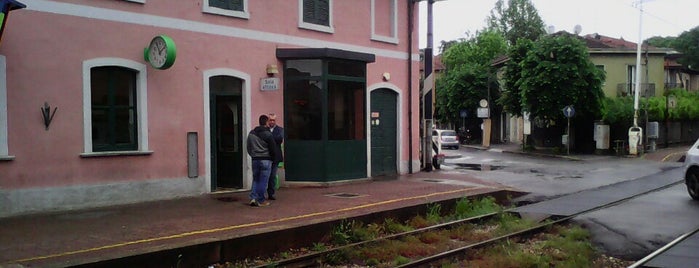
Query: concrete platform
{"type": "Point", "coordinates": [80, 237]}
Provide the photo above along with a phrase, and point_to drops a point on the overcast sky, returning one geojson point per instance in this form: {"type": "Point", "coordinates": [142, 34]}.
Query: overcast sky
{"type": "Point", "coordinates": [614, 18]}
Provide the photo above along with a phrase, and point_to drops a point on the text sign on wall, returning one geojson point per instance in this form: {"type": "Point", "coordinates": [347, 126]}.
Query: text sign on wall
{"type": "Point", "coordinates": [267, 84]}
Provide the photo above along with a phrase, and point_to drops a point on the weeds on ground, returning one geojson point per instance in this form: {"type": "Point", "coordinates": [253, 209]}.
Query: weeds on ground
{"type": "Point", "coordinates": [434, 214]}
{"type": "Point", "coordinates": [467, 208]}
{"type": "Point", "coordinates": [564, 246]}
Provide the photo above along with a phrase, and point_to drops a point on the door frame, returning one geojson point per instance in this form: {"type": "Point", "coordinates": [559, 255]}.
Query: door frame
{"type": "Point", "coordinates": [402, 166]}
{"type": "Point", "coordinates": [245, 102]}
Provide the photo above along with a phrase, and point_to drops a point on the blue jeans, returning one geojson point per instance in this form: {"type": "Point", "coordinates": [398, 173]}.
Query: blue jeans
{"type": "Point", "coordinates": [272, 180]}
{"type": "Point", "coordinates": [260, 177]}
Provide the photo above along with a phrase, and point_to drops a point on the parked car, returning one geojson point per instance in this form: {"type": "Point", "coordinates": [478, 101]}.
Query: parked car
{"type": "Point", "coordinates": [691, 171]}
{"type": "Point", "coordinates": [445, 138]}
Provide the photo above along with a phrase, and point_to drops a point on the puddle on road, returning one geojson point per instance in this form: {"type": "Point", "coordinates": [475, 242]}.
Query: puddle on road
{"type": "Point", "coordinates": [478, 167]}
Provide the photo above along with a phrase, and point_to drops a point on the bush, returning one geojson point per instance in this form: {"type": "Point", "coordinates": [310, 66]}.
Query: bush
{"type": "Point", "coordinates": [619, 111]}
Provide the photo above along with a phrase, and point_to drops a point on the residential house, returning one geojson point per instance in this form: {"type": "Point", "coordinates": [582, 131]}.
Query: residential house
{"type": "Point", "coordinates": [617, 57]}
{"type": "Point", "coordinates": [678, 75]}
{"type": "Point", "coordinates": [124, 101]}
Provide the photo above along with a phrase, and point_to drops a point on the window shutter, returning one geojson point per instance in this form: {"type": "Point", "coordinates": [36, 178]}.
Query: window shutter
{"type": "Point", "coordinates": [309, 11]}
{"type": "Point", "coordinates": [316, 12]}
{"type": "Point", "coordinates": [237, 5]}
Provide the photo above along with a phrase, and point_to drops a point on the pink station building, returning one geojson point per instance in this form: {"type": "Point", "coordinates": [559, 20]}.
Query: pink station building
{"type": "Point", "coordinates": [107, 102]}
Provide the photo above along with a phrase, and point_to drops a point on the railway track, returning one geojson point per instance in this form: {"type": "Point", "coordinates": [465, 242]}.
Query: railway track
{"type": "Point", "coordinates": [320, 258]}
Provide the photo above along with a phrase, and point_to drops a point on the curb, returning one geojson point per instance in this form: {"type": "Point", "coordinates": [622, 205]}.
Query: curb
{"type": "Point", "coordinates": [572, 158]}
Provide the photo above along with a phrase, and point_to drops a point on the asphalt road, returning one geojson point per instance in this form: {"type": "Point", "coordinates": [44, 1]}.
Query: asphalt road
{"type": "Point", "coordinates": [630, 230]}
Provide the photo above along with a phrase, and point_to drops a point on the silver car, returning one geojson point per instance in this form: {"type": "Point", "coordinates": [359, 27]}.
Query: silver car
{"type": "Point", "coordinates": [691, 171]}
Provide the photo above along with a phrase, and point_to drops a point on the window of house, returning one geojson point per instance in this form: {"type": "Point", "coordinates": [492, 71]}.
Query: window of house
{"type": "Point", "coordinates": [4, 153]}
{"type": "Point", "coordinates": [343, 87]}
{"type": "Point", "coordinates": [316, 15]}
{"type": "Point", "coordinates": [384, 21]}
{"type": "Point", "coordinates": [345, 110]}
{"type": "Point", "coordinates": [113, 109]}
{"type": "Point", "coordinates": [601, 68]}
{"type": "Point", "coordinates": [304, 99]}
{"type": "Point", "coordinates": [232, 8]}
{"type": "Point", "coordinates": [114, 97]}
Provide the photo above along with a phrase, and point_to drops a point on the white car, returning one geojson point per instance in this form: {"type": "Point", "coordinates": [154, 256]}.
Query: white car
{"type": "Point", "coordinates": [691, 171]}
{"type": "Point", "coordinates": [445, 138]}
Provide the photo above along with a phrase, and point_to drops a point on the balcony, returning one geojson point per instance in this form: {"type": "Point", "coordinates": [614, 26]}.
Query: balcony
{"type": "Point", "coordinates": [647, 90]}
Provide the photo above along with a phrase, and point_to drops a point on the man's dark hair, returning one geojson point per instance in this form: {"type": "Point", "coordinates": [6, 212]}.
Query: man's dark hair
{"type": "Point", "coordinates": [263, 120]}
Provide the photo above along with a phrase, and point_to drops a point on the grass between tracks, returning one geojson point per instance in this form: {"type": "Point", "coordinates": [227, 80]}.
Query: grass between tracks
{"type": "Point", "coordinates": [562, 246]}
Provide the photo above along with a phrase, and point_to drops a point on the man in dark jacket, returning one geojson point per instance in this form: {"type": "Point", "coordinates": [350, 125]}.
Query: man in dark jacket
{"type": "Point", "coordinates": [263, 151]}
{"type": "Point", "coordinates": [278, 134]}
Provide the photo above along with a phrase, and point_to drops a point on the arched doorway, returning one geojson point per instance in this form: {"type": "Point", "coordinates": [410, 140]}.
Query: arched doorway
{"type": "Point", "coordinates": [384, 132]}
{"type": "Point", "coordinates": [226, 127]}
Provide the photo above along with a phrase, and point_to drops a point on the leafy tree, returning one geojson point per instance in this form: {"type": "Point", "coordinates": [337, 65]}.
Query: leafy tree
{"type": "Point", "coordinates": [659, 41]}
{"type": "Point", "coordinates": [469, 74]}
{"type": "Point", "coordinates": [688, 44]}
{"type": "Point", "coordinates": [446, 45]}
{"type": "Point", "coordinates": [518, 20]}
{"type": "Point", "coordinates": [511, 99]}
{"type": "Point", "coordinates": [557, 72]}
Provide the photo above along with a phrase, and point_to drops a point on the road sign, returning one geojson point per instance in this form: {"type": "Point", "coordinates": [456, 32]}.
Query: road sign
{"type": "Point", "coordinates": [483, 112]}
{"type": "Point", "coordinates": [569, 111]}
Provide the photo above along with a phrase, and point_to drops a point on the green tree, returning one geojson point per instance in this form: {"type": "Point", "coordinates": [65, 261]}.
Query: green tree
{"type": "Point", "coordinates": [688, 44]}
{"type": "Point", "coordinates": [659, 41]}
{"type": "Point", "coordinates": [557, 72]}
{"type": "Point", "coordinates": [511, 98]}
{"type": "Point", "coordinates": [468, 75]}
{"type": "Point", "coordinates": [518, 20]}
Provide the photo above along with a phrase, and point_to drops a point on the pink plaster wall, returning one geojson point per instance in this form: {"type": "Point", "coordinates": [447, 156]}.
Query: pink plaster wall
{"type": "Point", "coordinates": [45, 52]}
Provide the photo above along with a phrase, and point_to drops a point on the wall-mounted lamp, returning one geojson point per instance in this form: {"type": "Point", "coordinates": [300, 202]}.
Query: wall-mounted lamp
{"type": "Point", "coordinates": [47, 114]}
{"type": "Point", "coordinates": [272, 69]}
{"type": "Point", "coordinates": [386, 76]}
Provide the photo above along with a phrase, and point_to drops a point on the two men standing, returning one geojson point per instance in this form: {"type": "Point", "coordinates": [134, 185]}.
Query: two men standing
{"type": "Point", "coordinates": [266, 155]}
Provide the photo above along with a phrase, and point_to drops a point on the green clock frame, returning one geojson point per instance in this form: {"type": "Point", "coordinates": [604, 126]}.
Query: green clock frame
{"type": "Point", "coordinates": [170, 48]}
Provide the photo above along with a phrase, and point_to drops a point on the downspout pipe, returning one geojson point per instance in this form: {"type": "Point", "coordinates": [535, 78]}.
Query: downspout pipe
{"type": "Point", "coordinates": [411, 12]}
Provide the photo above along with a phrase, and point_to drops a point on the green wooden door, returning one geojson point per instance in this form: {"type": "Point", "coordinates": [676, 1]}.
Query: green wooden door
{"type": "Point", "coordinates": [384, 133]}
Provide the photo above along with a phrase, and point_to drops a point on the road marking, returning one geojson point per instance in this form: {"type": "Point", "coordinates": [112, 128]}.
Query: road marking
{"type": "Point", "coordinates": [670, 155]}
{"type": "Point", "coordinates": [233, 227]}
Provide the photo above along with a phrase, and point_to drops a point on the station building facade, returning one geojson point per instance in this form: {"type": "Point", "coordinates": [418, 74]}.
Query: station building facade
{"type": "Point", "coordinates": [116, 102]}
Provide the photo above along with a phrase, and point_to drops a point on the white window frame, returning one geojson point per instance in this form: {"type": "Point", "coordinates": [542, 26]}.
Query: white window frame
{"type": "Point", "coordinates": [141, 104]}
{"type": "Point", "coordinates": [4, 148]}
{"type": "Point", "coordinates": [245, 14]}
{"type": "Point", "coordinates": [393, 38]}
{"type": "Point", "coordinates": [317, 27]}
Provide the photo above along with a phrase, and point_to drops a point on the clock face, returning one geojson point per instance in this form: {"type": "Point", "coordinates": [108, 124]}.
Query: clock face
{"type": "Point", "coordinates": [161, 52]}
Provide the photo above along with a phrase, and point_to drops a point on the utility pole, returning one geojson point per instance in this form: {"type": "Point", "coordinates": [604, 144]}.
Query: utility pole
{"type": "Point", "coordinates": [428, 105]}
{"type": "Point", "coordinates": [635, 132]}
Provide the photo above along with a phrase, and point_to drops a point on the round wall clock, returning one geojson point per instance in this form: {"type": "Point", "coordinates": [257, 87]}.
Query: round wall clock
{"type": "Point", "coordinates": [161, 52]}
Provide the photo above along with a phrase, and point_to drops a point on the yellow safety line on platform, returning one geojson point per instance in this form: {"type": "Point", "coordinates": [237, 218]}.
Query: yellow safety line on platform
{"type": "Point", "coordinates": [228, 228]}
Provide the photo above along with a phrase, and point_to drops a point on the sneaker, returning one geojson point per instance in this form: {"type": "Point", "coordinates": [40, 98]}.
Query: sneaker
{"type": "Point", "coordinates": [271, 197]}
{"type": "Point", "coordinates": [254, 203]}
{"type": "Point", "coordinates": [264, 204]}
